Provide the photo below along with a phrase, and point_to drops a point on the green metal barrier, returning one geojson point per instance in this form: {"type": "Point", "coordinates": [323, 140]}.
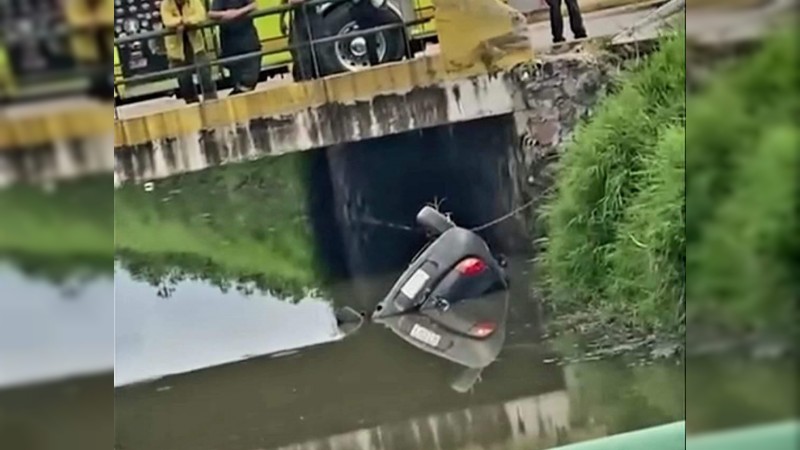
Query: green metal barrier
{"type": "Point", "coordinates": [779, 436]}
{"type": "Point", "coordinates": [664, 437]}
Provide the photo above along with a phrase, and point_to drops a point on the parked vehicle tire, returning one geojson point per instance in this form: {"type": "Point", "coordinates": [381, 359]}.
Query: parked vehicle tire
{"type": "Point", "coordinates": [349, 55]}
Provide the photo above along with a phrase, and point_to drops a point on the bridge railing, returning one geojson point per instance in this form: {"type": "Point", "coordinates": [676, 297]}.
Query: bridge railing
{"type": "Point", "coordinates": [214, 63]}
{"type": "Point", "coordinates": [74, 76]}
{"type": "Point", "coordinates": [37, 61]}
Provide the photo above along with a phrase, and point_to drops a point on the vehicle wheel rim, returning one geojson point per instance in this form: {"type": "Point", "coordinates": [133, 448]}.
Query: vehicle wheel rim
{"type": "Point", "coordinates": [352, 53]}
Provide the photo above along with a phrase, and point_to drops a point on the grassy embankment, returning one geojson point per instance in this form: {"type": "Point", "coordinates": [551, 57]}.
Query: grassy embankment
{"type": "Point", "coordinates": [625, 230]}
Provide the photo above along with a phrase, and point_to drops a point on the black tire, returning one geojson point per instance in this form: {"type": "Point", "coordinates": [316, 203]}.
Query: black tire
{"type": "Point", "coordinates": [337, 20]}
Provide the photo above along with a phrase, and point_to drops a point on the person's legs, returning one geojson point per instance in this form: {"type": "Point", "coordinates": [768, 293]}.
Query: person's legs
{"type": "Point", "coordinates": [250, 69]}
{"type": "Point", "coordinates": [207, 86]}
{"type": "Point", "coordinates": [186, 89]}
{"type": "Point", "coordinates": [235, 74]}
{"type": "Point", "coordinates": [575, 19]}
{"type": "Point", "coordinates": [556, 20]}
{"type": "Point", "coordinates": [244, 75]}
{"type": "Point", "coordinates": [101, 83]}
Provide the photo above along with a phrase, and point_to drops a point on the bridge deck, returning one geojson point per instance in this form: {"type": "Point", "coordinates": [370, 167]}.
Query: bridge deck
{"type": "Point", "coordinates": [76, 125]}
{"type": "Point", "coordinates": [600, 23]}
{"type": "Point", "coordinates": [75, 118]}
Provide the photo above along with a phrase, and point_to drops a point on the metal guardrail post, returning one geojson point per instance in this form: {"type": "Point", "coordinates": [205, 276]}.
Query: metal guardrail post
{"type": "Point", "coordinates": [774, 436]}
{"type": "Point", "coordinates": [314, 61]}
{"type": "Point", "coordinates": [665, 437]}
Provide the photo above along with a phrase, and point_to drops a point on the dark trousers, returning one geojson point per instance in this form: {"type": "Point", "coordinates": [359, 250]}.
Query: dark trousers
{"type": "Point", "coordinates": [557, 21]}
{"type": "Point", "coordinates": [102, 82]}
{"type": "Point", "coordinates": [186, 88]}
{"type": "Point", "coordinates": [366, 18]}
{"type": "Point", "coordinates": [244, 74]}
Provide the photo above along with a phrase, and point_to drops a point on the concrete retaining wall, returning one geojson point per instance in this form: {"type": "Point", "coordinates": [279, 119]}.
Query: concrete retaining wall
{"type": "Point", "coordinates": [562, 79]}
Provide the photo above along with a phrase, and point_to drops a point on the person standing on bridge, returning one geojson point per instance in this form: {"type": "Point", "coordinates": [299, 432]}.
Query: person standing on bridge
{"type": "Point", "coordinates": [92, 42]}
{"type": "Point", "coordinates": [237, 36]}
{"type": "Point", "coordinates": [557, 20]}
{"type": "Point", "coordinates": [187, 46]}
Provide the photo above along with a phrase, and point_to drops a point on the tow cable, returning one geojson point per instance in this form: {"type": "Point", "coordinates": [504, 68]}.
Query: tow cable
{"type": "Point", "coordinates": [382, 223]}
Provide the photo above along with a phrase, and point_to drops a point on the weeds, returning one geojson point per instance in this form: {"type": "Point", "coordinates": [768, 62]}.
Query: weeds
{"type": "Point", "coordinates": [641, 202]}
{"type": "Point", "coordinates": [602, 172]}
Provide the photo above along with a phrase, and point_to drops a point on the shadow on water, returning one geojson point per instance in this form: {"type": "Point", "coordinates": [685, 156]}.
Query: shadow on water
{"type": "Point", "coordinates": [231, 284]}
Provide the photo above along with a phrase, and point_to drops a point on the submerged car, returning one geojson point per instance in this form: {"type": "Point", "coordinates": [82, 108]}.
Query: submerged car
{"type": "Point", "coordinates": [455, 266]}
{"type": "Point", "coordinates": [452, 300]}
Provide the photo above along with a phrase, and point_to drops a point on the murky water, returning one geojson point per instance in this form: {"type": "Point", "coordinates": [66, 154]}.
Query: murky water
{"type": "Point", "coordinates": [368, 390]}
{"type": "Point", "coordinates": [228, 284]}
{"type": "Point", "coordinates": [152, 333]}
{"type": "Point", "coordinates": [56, 361]}
{"type": "Point", "coordinates": [42, 326]}
{"type": "Point", "coordinates": [228, 287]}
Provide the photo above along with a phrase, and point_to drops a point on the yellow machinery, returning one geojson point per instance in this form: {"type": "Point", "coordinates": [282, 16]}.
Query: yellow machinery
{"type": "Point", "coordinates": [272, 31]}
{"type": "Point", "coordinates": [138, 16]}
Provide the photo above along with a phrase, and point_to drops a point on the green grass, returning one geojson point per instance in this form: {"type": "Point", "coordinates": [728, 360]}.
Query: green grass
{"type": "Point", "coordinates": [649, 250]}
{"type": "Point", "coordinates": [743, 266]}
{"type": "Point", "coordinates": [742, 193]}
{"type": "Point", "coordinates": [603, 171]}
{"type": "Point", "coordinates": [653, 191]}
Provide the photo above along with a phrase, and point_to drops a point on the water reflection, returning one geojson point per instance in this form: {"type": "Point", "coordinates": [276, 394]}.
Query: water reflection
{"type": "Point", "coordinates": [374, 391]}
{"type": "Point", "coordinates": [293, 229]}
{"type": "Point", "coordinates": [444, 332]}
{"type": "Point", "coordinates": [539, 421]}
{"type": "Point", "coordinates": [56, 357]}
{"type": "Point", "coordinates": [46, 335]}
{"type": "Point", "coordinates": [370, 390]}
{"type": "Point", "coordinates": [243, 227]}
{"type": "Point", "coordinates": [198, 327]}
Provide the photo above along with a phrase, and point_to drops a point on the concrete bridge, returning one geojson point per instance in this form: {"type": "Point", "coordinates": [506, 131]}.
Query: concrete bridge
{"type": "Point", "coordinates": [490, 71]}
{"type": "Point", "coordinates": [486, 72]}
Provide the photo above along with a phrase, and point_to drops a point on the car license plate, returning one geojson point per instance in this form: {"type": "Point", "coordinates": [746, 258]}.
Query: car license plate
{"type": "Point", "coordinates": [415, 284]}
{"type": "Point", "coordinates": [425, 335]}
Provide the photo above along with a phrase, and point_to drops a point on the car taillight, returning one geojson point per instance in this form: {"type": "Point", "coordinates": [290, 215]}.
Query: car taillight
{"type": "Point", "coordinates": [471, 267]}
{"type": "Point", "coordinates": [482, 329]}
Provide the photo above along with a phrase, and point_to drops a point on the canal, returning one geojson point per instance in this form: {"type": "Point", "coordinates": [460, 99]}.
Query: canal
{"type": "Point", "coordinates": [227, 286]}
{"type": "Point", "coordinates": [229, 282]}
